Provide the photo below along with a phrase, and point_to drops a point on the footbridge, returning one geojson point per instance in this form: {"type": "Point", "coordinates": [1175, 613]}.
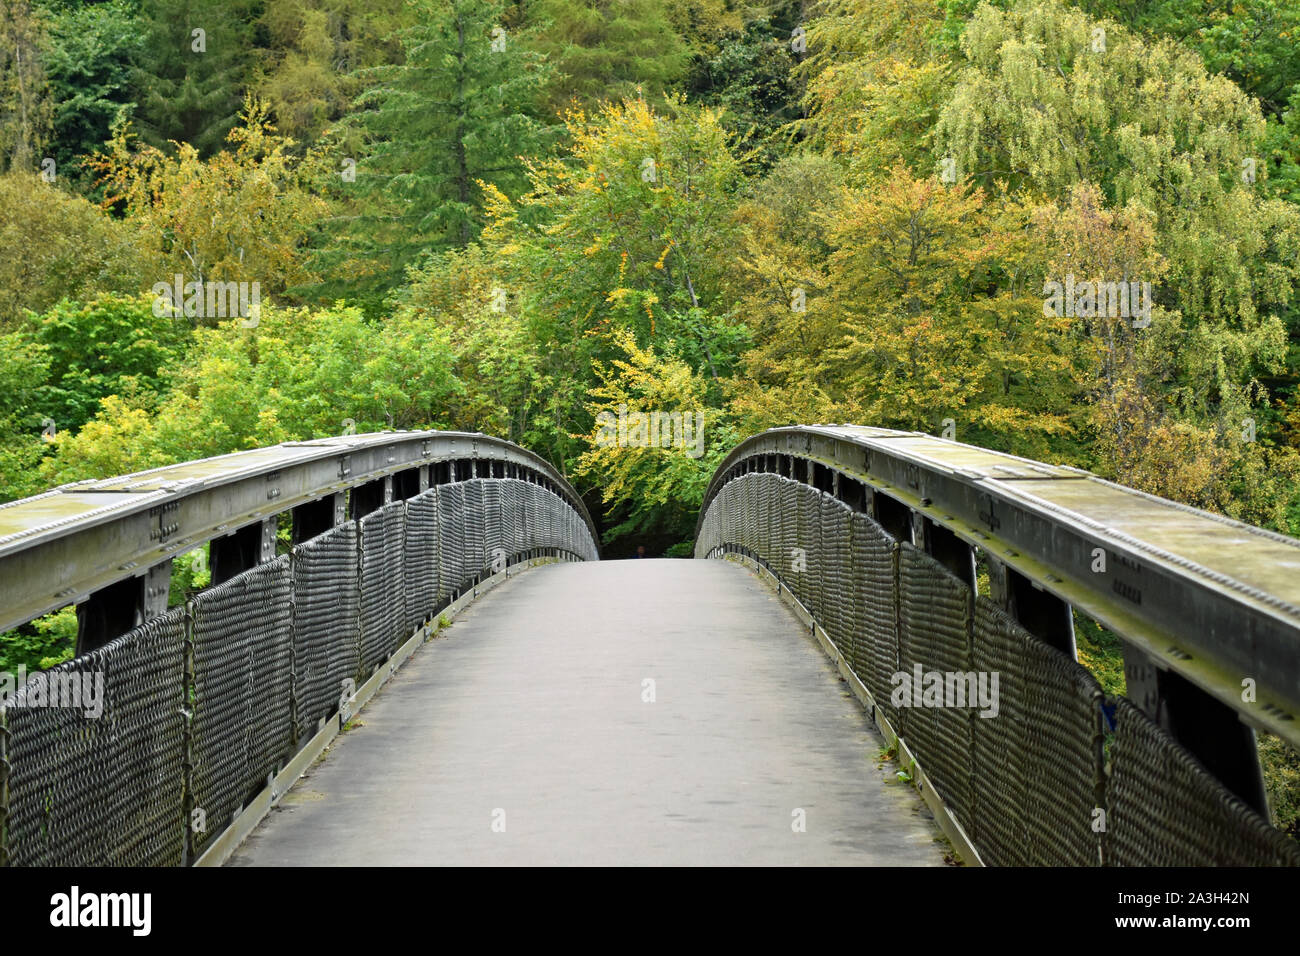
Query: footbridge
{"type": "Point", "coordinates": [881, 667]}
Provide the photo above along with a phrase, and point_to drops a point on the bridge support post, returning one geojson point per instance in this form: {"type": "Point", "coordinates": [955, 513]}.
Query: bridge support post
{"type": "Point", "coordinates": [112, 611]}
{"type": "Point", "coordinates": [1204, 725]}
{"type": "Point", "coordinates": [241, 550]}
{"type": "Point", "coordinates": [946, 548]}
{"type": "Point", "coordinates": [317, 517]}
{"type": "Point", "coordinates": [371, 496]}
{"type": "Point", "coordinates": [1039, 612]}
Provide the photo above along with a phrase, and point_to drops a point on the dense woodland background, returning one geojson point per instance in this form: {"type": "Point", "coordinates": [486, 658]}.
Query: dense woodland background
{"type": "Point", "coordinates": [449, 211]}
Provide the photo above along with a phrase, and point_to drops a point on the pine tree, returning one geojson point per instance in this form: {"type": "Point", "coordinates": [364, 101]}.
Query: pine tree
{"type": "Point", "coordinates": [24, 91]}
{"type": "Point", "coordinates": [192, 69]}
{"type": "Point", "coordinates": [459, 111]}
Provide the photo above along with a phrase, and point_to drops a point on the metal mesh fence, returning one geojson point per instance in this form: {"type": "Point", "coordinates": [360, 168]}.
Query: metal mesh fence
{"type": "Point", "coordinates": [326, 623]}
{"type": "Point", "coordinates": [95, 748]}
{"type": "Point", "coordinates": [1166, 809]}
{"type": "Point", "coordinates": [194, 710]}
{"type": "Point", "coordinates": [874, 649]}
{"type": "Point", "coordinates": [242, 681]}
{"type": "Point", "coordinates": [383, 607]}
{"type": "Point", "coordinates": [934, 637]}
{"type": "Point", "coordinates": [838, 594]}
{"type": "Point", "coordinates": [421, 558]}
{"type": "Point", "coordinates": [1026, 780]}
{"type": "Point", "coordinates": [1038, 761]}
{"type": "Point", "coordinates": [475, 527]}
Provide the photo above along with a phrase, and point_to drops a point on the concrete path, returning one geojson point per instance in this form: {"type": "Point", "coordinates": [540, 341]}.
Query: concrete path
{"type": "Point", "coordinates": [530, 714]}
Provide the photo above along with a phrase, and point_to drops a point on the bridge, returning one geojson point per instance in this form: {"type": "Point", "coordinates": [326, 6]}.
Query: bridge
{"type": "Point", "coordinates": [881, 667]}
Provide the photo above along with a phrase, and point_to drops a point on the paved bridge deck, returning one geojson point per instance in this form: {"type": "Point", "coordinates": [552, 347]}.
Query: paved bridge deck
{"type": "Point", "coordinates": [531, 704]}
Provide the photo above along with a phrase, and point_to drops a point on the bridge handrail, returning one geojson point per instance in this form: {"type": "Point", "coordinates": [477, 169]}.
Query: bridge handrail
{"type": "Point", "coordinates": [920, 562]}
{"type": "Point", "coordinates": [1218, 604]}
{"type": "Point", "coordinates": [59, 547]}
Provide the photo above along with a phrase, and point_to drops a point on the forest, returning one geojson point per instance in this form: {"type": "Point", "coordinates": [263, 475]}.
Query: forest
{"type": "Point", "coordinates": [1066, 231]}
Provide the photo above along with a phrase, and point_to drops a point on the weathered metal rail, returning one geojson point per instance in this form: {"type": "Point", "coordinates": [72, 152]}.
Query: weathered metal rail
{"type": "Point", "coordinates": [201, 714]}
{"type": "Point", "coordinates": [73, 544]}
{"type": "Point", "coordinates": [1208, 609]}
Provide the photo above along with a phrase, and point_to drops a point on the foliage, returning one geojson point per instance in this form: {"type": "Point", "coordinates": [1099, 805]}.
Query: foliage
{"type": "Point", "coordinates": [102, 347]}
{"type": "Point", "coordinates": [55, 244]}
{"type": "Point", "coordinates": [191, 70]}
{"type": "Point", "coordinates": [660, 485]}
{"type": "Point", "coordinates": [25, 104]}
{"type": "Point", "coordinates": [240, 216]}
{"type": "Point", "coordinates": [40, 644]}
{"type": "Point", "coordinates": [91, 51]}
{"type": "Point", "coordinates": [457, 112]}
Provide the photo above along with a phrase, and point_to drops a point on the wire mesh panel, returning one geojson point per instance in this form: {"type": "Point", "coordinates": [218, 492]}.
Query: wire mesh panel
{"type": "Point", "coordinates": [749, 512]}
{"type": "Point", "coordinates": [382, 584]}
{"type": "Point", "coordinates": [510, 528]}
{"type": "Point", "coordinates": [787, 499]}
{"type": "Point", "coordinates": [95, 750]}
{"type": "Point", "coordinates": [493, 538]}
{"type": "Point", "coordinates": [1001, 795]}
{"type": "Point", "coordinates": [1166, 809]}
{"type": "Point", "coordinates": [451, 539]}
{"type": "Point", "coordinates": [804, 562]}
{"type": "Point", "coordinates": [763, 517]}
{"type": "Point", "coordinates": [1038, 761]}
{"type": "Point", "coordinates": [326, 623]}
{"type": "Point", "coordinates": [934, 639]}
{"type": "Point", "coordinates": [421, 558]}
{"type": "Point", "coordinates": [875, 642]}
{"type": "Point", "coordinates": [241, 727]}
{"type": "Point", "coordinates": [475, 527]}
{"type": "Point", "coordinates": [837, 585]}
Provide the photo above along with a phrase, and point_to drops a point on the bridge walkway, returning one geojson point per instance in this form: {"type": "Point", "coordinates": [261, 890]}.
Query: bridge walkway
{"type": "Point", "coordinates": [523, 734]}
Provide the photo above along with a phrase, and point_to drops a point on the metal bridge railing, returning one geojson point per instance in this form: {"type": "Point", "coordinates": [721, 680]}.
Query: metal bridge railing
{"type": "Point", "coordinates": [203, 703]}
{"type": "Point", "coordinates": [916, 555]}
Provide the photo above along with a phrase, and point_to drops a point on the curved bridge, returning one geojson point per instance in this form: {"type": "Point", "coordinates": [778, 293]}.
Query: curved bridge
{"type": "Point", "coordinates": [642, 711]}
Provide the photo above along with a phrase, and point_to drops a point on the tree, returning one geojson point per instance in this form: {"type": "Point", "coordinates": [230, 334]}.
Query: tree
{"type": "Point", "coordinates": [240, 216]}
{"type": "Point", "coordinates": [652, 476]}
{"type": "Point", "coordinates": [1047, 102]}
{"type": "Point", "coordinates": [89, 65]}
{"type": "Point", "coordinates": [299, 374]}
{"type": "Point", "coordinates": [875, 78]}
{"type": "Point", "coordinates": [104, 346]}
{"type": "Point", "coordinates": [606, 50]}
{"type": "Point", "coordinates": [25, 107]}
{"type": "Point", "coordinates": [315, 49]}
{"type": "Point", "coordinates": [460, 110]}
{"type": "Point", "coordinates": [192, 70]}
{"type": "Point", "coordinates": [54, 245]}
{"type": "Point", "coordinates": [633, 232]}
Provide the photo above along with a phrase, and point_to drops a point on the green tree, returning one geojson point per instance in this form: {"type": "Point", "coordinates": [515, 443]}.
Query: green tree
{"type": "Point", "coordinates": [192, 70]}
{"type": "Point", "coordinates": [634, 232]}
{"type": "Point", "coordinates": [314, 50]}
{"type": "Point", "coordinates": [104, 346]}
{"type": "Point", "coordinates": [89, 64]}
{"type": "Point", "coordinates": [459, 110]}
{"type": "Point", "coordinates": [56, 245]}
{"type": "Point", "coordinates": [25, 105]}
{"type": "Point", "coordinates": [607, 50]}
{"type": "Point", "coordinates": [1042, 104]}
{"type": "Point", "coordinates": [242, 215]}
